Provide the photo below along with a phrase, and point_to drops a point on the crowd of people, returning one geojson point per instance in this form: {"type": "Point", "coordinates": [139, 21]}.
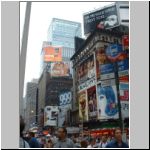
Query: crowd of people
{"type": "Point", "coordinates": [61, 140]}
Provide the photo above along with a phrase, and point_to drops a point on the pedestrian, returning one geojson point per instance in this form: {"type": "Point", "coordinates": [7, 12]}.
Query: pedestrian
{"type": "Point", "coordinates": [84, 144]}
{"type": "Point", "coordinates": [43, 142]}
{"type": "Point", "coordinates": [33, 142]}
{"type": "Point", "coordinates": [92, 143]}
{"type": "Point", "coordinates": [22, 143]}
{"type": "Point", "coordinates": [103, 142]}
{"type": "Point", "coordinates": [63, 141]}
{"type": "Point", "coordinates": [117, 142]}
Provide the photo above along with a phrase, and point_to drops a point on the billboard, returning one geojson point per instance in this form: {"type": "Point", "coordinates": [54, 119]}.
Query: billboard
{"type": "Point", "coordinates": [65, 98]}
{"type": "Point", "coordinates": [52, 54]}
{"type": "Point", "coordinates": [107, 71]}
{"type": "Point", "coordinates": [50, 115]}
{"type": "Point", "coordinates": [92, 103]}
{"type": "Point", "coordinates": [82, 98]}
{"type": "Point", "coordinates": [60, 69]}
{"type": "Point", "coordinates": [107, 102]}
{"type": "Point", "coordinates": [103, 18]}
{"type": "Point", "coordinates": [86, 70]}
{"type": "Point", "coordinates": [123, 67]}
{"type": "Point", "coordinates": [101, 58]}
{"type": "Point", "coordinates": [124, 88]}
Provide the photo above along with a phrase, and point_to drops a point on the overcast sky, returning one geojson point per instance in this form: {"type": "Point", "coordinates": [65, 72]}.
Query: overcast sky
{"type": "Point", "coordinates": [41, 15]}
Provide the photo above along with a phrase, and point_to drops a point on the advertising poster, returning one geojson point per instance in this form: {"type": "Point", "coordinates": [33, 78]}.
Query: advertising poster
{"type": "Point", "coordinates": [86, 70]}
{"type": "Point", "coordinates": [107, 71]}
{"type": "Point", "coordinates": [125, 109]}
{"type": "Point", "coordinates": [92, 103]}
{"type": "Point", "coordinates": [123, 67]}
{"type": "Point", "coordinates": [59, 69]}
{"type": "Point", "coordinates": [82, 97]}
{"type": "Point", "coordinates": [103, 18]}
{"type": "Point", "coordinates": [52, 54]}
{"type": "Point", "coordinates": [107, 102]}
{"type": "Point", "coordinates": [101, 58]}
{"type": "Point", "coordinates": [124, 88]}
{"type": "Point", "coordinates": [115, 52]}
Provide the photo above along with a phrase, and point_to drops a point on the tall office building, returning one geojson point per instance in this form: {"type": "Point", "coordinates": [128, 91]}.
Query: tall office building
{"type": "Point", "coordinates": [31, 104]}
{"type": "Point", "coordinates": [62, 32]}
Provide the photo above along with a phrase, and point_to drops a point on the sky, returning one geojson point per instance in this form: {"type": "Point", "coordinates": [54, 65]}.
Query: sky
{"type": "Point", "coordinates": [41, 16]}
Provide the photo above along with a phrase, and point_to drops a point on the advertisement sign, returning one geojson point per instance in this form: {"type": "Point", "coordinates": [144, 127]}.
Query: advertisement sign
{"type": "Point", "coordinates": [101, 58]}
{"type": "Point", "coordinates": [86, 70]}
{"type": "Point", "coordinates": [87, 84]}
{"type": "Point", "coordinates": [52, 54]}
{"type": "Point", "coordinates": [65, 98]}
{"type": "Point", "coordinates": [83, 106]}
{"type": "Point", "coordinates": [103, 18]}
{"type": "Point", "coordinates": [115, 52]}
{"type": "Point", "coordinates": [123, 68]}
{"type": "Point", "coordinates": [107, 71]}
{"type": "Point", "coordinates": [50, 115]}
{"type": "Point", "coordinates": [124, 88]}
{"type": "Point", "coordinates": [107, 102]}
{"type": "Point", "coordinates": [92, 103]}
{"type": "Point", "coordinates": [125, 109]}
{"type": "Point", "coordinates": [59, 69]}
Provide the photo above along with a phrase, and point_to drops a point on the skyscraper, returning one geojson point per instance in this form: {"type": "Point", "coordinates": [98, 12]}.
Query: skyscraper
{"type": "Point", "coordinates": [62, 32]}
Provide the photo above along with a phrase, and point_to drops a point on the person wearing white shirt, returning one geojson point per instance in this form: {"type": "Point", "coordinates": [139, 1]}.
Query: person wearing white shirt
{"type": "Point", "coordinates": [103, 142]}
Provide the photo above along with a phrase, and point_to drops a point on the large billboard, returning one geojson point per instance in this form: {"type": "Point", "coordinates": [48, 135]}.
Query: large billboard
{"type": "Point", "coordinates": [86, 70]}
{"type": "Point", "coordinates": [51, 115]}
{"type": "Point", "coordinates": [92, 103]}
{"type": "Point", "coordinates": [65, 98]}
{"type": "Point", "coordinates": [107, 101]}
{"type": "Point", "coordinates": [103, 18]}
{"type": "Point", "coordinates": [60, 69]}
{"type": "Point", "coordinates": [83, 109]}
{"type": "Point", "coordinates": [52, 54]}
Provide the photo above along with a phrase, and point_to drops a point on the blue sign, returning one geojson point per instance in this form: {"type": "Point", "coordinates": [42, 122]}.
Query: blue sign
{"type": "Point", "coordinates": [123, 65]}
{"type": "Point", "coordinates": [113, 51]}
{"type": "Point", "coordinates": [106, 68]}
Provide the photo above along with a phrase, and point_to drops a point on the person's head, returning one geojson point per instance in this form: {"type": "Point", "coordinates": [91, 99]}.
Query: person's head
{"type": "Point", "coordinates": [31, 134]}
{"type": "Point", "coordinates": [22, 126]}
{"type": "Point", "coordinates": [83, 144]}
{"type": "Point", "coordinates": [118, 134]}
{"type": "Point", "coordinates": [104, 138]}
{"type": "Point", "coordinates": [62, 133]}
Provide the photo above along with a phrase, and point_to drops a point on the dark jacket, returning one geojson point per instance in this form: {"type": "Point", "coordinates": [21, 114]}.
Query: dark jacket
{"type": "Point", "coordinates": [114, 144]}
{"type": "Point", "coordinates": [34, 143]}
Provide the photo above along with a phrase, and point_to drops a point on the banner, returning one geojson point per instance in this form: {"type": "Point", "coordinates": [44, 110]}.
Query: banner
{"type": "Point", "coordinates": [83, 106]}
{"type": "Point", "coordinates": [101, 58]}
{"type": "Point", "coordinates": [107, 102]}
{"type": "Point", "coordinates": [107, 71]}
{"type": "Point", "coordinates": [59, 69]}
{"type": "Point", "coordinates": [52, 54]}
{"type": "Point", "coordinates": [103, 18]}
{"type": "Point", "coordinates": [86, 70]}
{"type": "Point", "coordinates": [123, 68]}
{"type": "Point", "coordinates": [124, 88]}
{"type": "Point", "coordinates": [92, 103]}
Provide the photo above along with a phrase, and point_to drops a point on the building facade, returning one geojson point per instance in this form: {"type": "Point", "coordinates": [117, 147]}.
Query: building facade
{"type": "Point", "coordinates": [31, 104]}
{"type": "Point", "coordinates": [96, 65]}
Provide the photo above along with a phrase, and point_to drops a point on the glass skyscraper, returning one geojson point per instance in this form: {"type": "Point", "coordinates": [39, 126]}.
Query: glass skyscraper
{"type": "Point", "coordinates": [62, 32]}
